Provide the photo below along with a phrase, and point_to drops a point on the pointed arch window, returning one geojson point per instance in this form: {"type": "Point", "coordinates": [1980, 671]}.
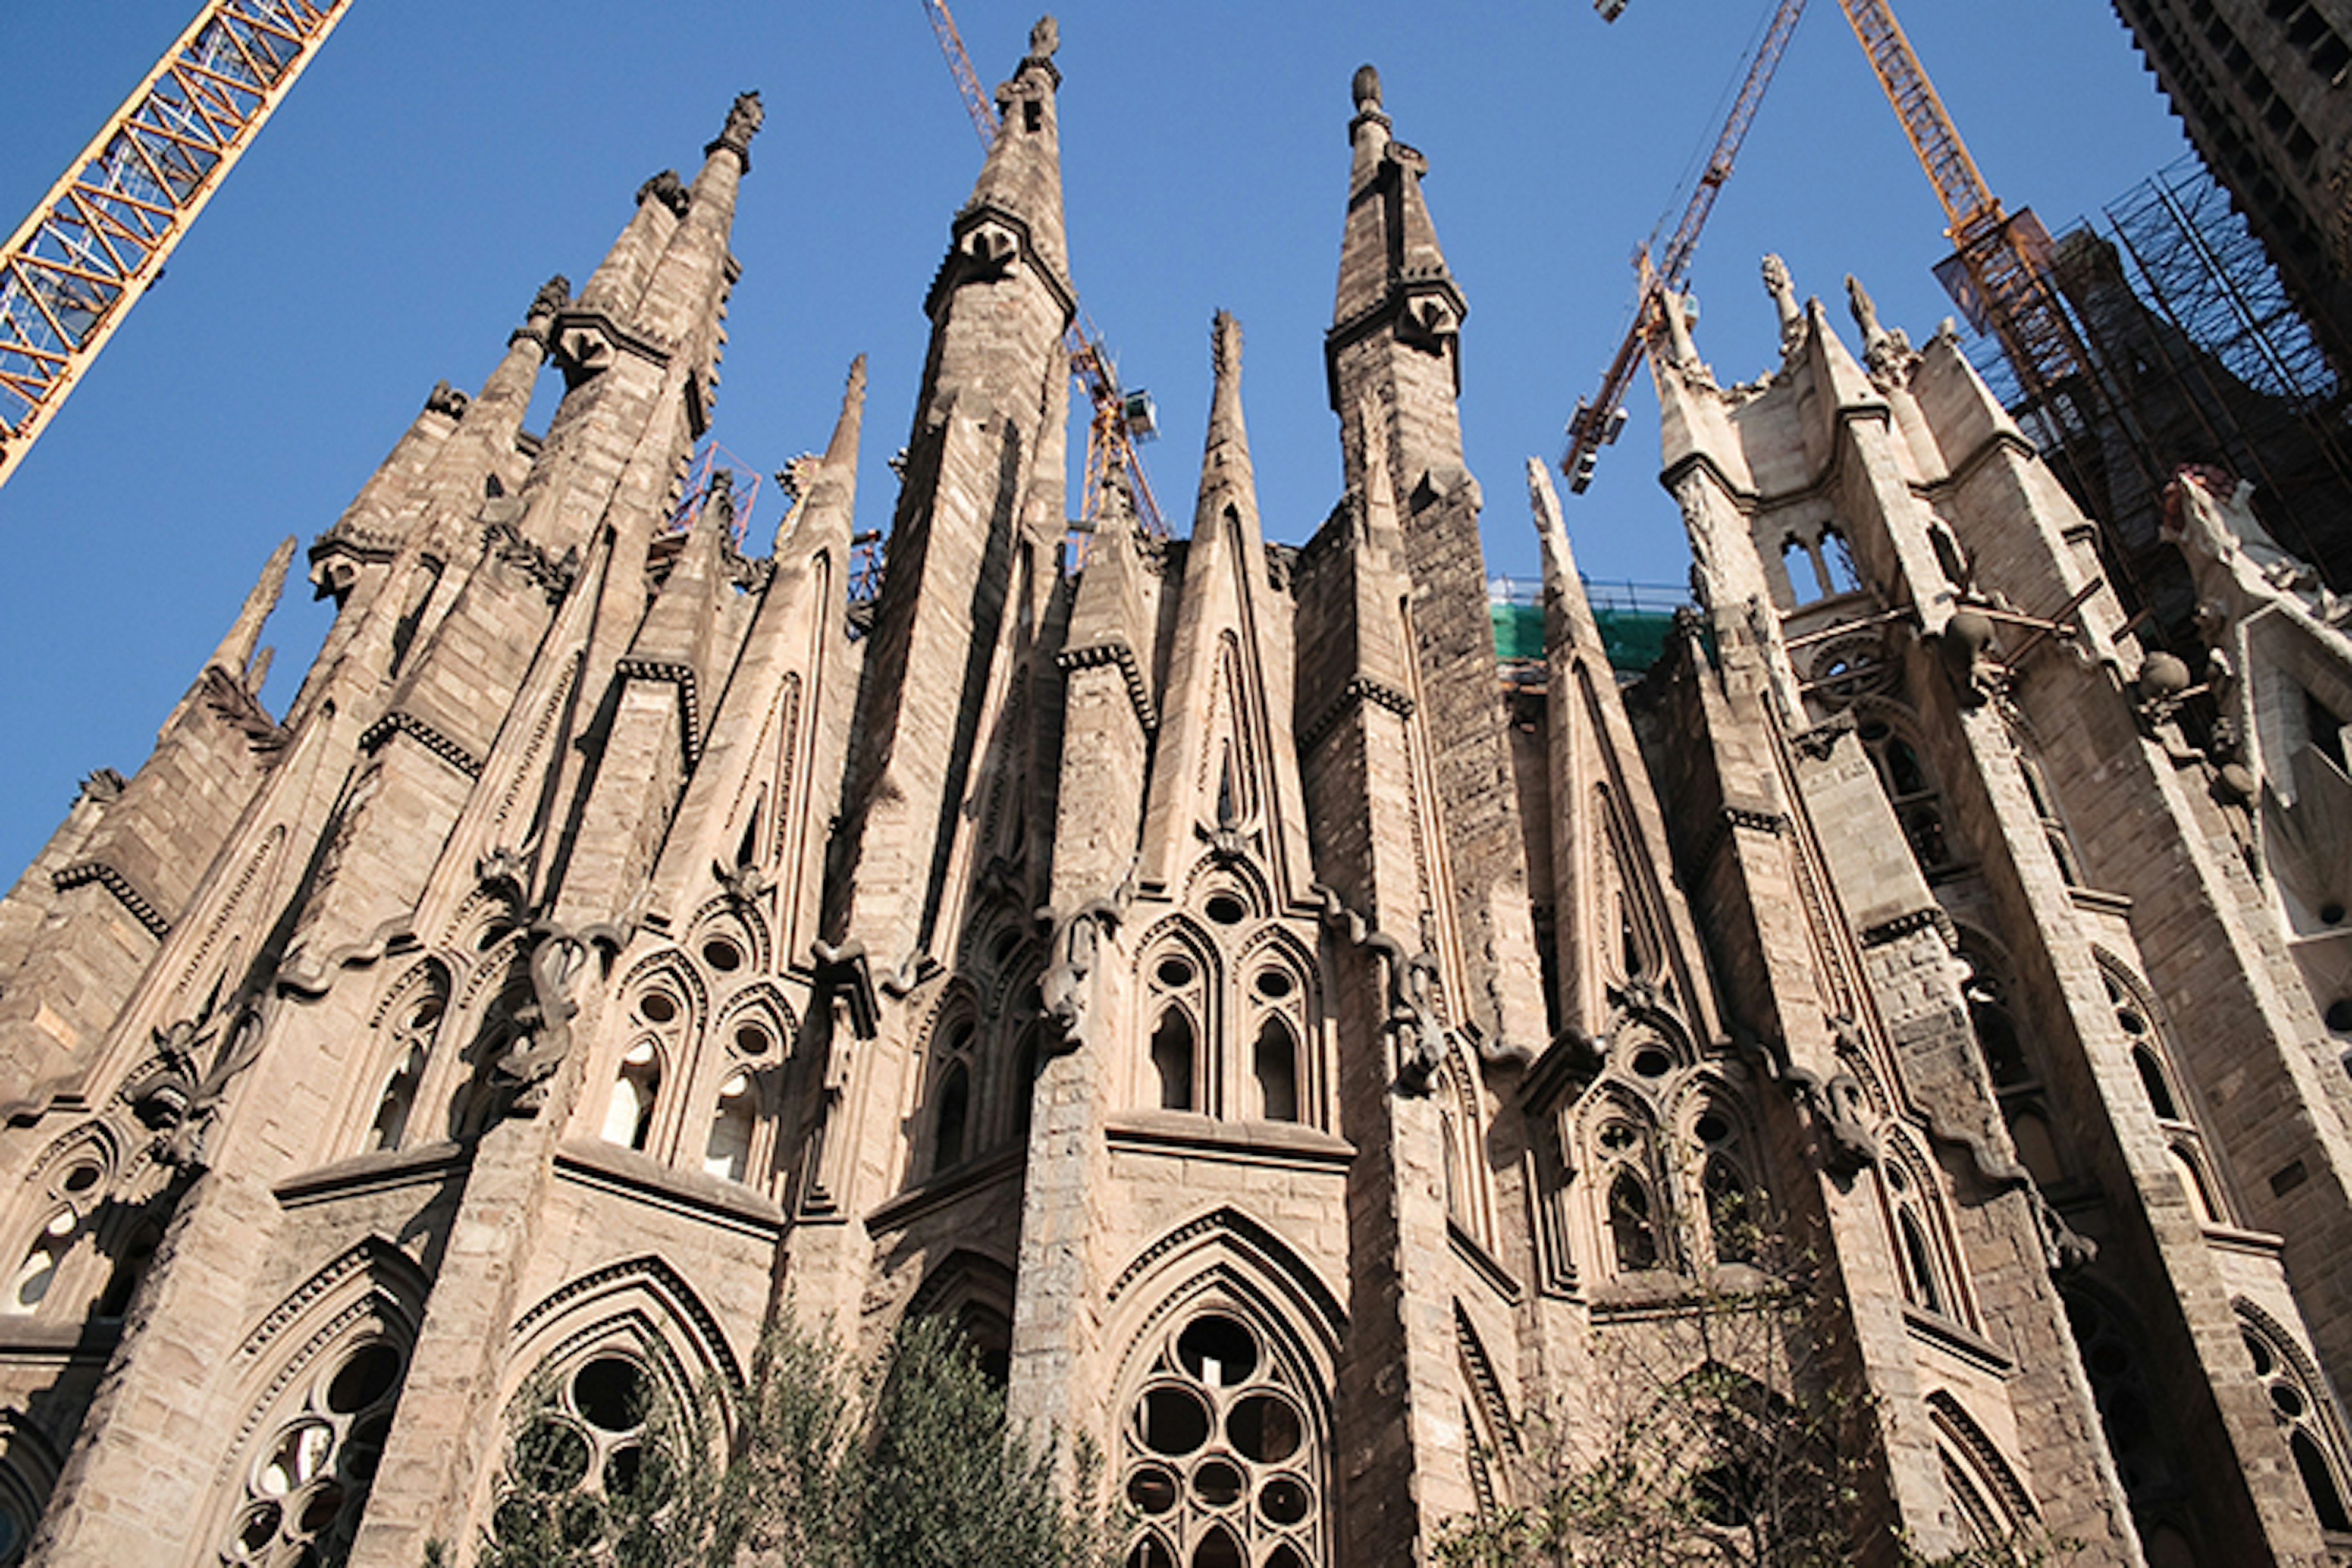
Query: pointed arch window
{"type": "Point", "coordinates": [1911, 788]}
{"type": "Point", "coordinates": [946, 1118]}
{"type": "Point", "coordinates": [1222, 1449]}
{"type": "Point", "coordinates": [1633, 1229]}
{"type": "Point", "coordinates": [726, 1151]}
{"type": "Point", "coordinates": [1171, 1060]}
{"type": "Point", "coordinates": [1838, 574]}
{"type": "Point", "coordinates": [1729, 1196]}
{"type": "Point", "coordinates": [636, 1089]}
{"type": "Point", "coordinates": [1802, 572]}
{"type": "Point", "coordinates": [1274, 1062]}
{"type": "Point", "coordinates": [412, 1043]}
{"type": "Point", "coordinates": [1924, 1258]}
{"type": "Point", "coordinates": [308, 1485]}
{"type": "Point", "coordinates": [952, 1120]}
{"type": "Point", "coordinates": [43, 1259]}
{"type": "Point", "coordinates": [2150, 1053]}
{"type": "Point", "coordinates": [2307, 1418]}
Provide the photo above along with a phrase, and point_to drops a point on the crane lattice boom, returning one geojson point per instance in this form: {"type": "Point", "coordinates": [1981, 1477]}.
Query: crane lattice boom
{"type": "Point", "coordinates": [2004, 255]}
{"type": "Point", "coordinates": [73, 269]}
{"type": "Point", "coordinates": [1596, 418]}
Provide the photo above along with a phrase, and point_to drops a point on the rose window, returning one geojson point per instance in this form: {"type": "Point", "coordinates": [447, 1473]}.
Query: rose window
{"type": "Point", "coordinates": [1221, 1458]}
{"type": "Point", "coordinates": [310, 1482]}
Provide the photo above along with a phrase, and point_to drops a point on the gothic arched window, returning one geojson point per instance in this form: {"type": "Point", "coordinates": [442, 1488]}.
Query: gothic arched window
{"type": "Point", "coordinates": [411, 1044]}
{"type": "Point", "coordinates": [1274, 1062]}
{"type": "Point", "coordinates": [308, 1481]}
{"type": "Point", "coordinates": [726, 1151]}
{"type": "Point", "coordinates": [637, 1093]}
{"type": "Point", "coordinates": [2151, 1058]}
{"type": "Point", "coordinates": [1729, 1195]}
{"type": "Point", "coordinates": [1171, 1060]}
{"type": "Point", "coordinates": [2307, 1418]}
{"type": "Point", "coordinates": [1222, 1450]}
{"type": "Point", "coordinates": [1911, 789]}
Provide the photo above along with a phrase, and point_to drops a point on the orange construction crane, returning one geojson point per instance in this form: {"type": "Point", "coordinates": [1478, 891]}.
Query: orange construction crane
{"type": "Point", "coordinates": [1599, 418]}
{"type": "Point", "coordinates": [1121, 418]}
{"type": "Point", "coordinates": [2001, 262]}
{"type": "Point", "coordinates": [99, 238]}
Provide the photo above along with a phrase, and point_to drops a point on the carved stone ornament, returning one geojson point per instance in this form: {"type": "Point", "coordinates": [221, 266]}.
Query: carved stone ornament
{"type": "Point", "coordinates": [178, 1101]}
{"type": "Point", "coordinates": [667, 189]}
{"type": "Point", "coordinates": [1067, 987]}
{"type": "Point", "coordinates": [543, 1024]}
{"type": "Point", "coordinates": [1783, 290]}
{"type": "Point", "coordinates": [1045, 37]}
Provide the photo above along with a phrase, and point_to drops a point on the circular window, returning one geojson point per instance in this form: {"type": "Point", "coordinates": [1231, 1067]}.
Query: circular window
{"type": "Point", "coordinates": [2339, 1014]}
{"type": "Point", "coordinates": [1284, 1500]}
{"type": "Point", "coordinates": [2288, 1399]}
{"type": "Point", "coordinates": [1274, 984]}
{"type": "Point", "coordinates": [1151, 1490]}
{"type": "Point", "coordinates": [363, 1379]}
{"type": "Point", "coordinates": [723, 955]}
{"type": "Point", "coordinates": [1217, 1351]}
{"type": "Point", "coordinates": [610, 1393]}
{"type": "Point", "coordinates": [1618, 1137]}
{"type": "Point", "coordinates": [1220, 1453]}
{"type": "Point", "coordinates": [320, 1509]}
{"type": "Point", "coordinates": [2331, 914]}
{"type": "Point", "coordinates": [657, 1007]}
{"type": "Point", "coordinates": [752, 1040]}
{"type": "Point", "coordinates": [1712, 1129]}
{"type": "Point", "coordinates": [1175, 1422]}
{"type": "Point", "coordinates": [81, 1178]}
{"type": "Point", "coordinates": [551, 1457]}
{"type": "Point", "coordinates": [301, 1454]}
{"type": "Point", "coordinates": [1174, 974]}
{"type": "Point", "coordinates": [1263, 1427]}
{"type": "Point", "coordinates": [1652, 1062]}
{"type": "Point", "coordinates": [1224, 909]}
{"type": "Point", "coordinates": [1217, 1483]}
{"type": "Point", "coordinates": [260, 1527]}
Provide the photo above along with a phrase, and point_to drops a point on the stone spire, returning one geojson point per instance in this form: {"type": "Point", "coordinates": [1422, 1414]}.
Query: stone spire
{"type": "Point", "coordinates": [1225, 459]}
{"type": "Point", "coordinates": [1393, 279]}
{"type": "Point", "coordinates": [1021, 178]}
{"type": "Point", "coordinates": [235, 655]}
{"type": "Point", "coordinates": [828, 497]}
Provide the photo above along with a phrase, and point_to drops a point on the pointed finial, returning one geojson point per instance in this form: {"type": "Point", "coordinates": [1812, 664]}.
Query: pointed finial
{"type": "Point", "coordinates": [1045, 38]}
{"type": "Point", "coordinates": [1783, 290]}
{"type": "Point", "coordinates": [539, 322]}
{"type": "Point", "coordinates": [744, 118]}
{"type": "Point", "coordinates": [1865, 309]}
{"type": "Point", "coordinates": [1367, 88]}
{"type": "Point", "coordinates": [235, 654]}
{"type": "Point", "coordinates": [1225, 346]}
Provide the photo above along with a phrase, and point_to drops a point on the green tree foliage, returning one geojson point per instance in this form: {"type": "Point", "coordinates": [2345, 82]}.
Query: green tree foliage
{"type": "Point", "coordinates": [1727, 1438]}
{"type": "Point", "coordinates": [907, 1463]}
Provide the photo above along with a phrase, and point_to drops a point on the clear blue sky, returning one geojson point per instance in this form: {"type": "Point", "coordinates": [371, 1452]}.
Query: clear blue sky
{"type": "Point", "coordinates": [440, 159]}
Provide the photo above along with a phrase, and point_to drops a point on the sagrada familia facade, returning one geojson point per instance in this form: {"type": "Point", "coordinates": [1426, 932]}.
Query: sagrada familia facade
{"type": "Point", "coordinates": [1301, 1059]}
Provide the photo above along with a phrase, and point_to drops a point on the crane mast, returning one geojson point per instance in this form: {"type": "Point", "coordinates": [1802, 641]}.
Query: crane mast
{"type": "Point", "coordinates": [1121, 418]}
{"type": "Point", "coordinates": [1597, 418]}
{"type": "Point", "coordinates": [99, 238]}
{"type": "Point", "coordinates": [2004, 257]}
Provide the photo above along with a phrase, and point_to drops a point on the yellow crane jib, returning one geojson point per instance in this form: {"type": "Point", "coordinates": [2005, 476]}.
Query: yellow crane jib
{"type": "Point", "coordinates": [98, 240]}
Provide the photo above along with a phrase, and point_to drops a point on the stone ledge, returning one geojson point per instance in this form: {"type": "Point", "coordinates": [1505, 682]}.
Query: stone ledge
{"type": "Point", "coordinates": [2253, 1243]}
{"type": "Point", "coordinates": [2103, 903]}
{"type": "Point", "coordinates": [592, 1163]}
{"type": "Point", "coordinates": [58, 1344]}
{"type": "Point", "coordinates": [1958, 1340]}
{"type": "Point", "coordinates": [947, 1188]}
{"type": "Point", "coordinates": [1484, 1263]}
{"type": "Point", "coordinates": [1189, 1133]}
{"type": "Point", "coordinates": [372, 1173]}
